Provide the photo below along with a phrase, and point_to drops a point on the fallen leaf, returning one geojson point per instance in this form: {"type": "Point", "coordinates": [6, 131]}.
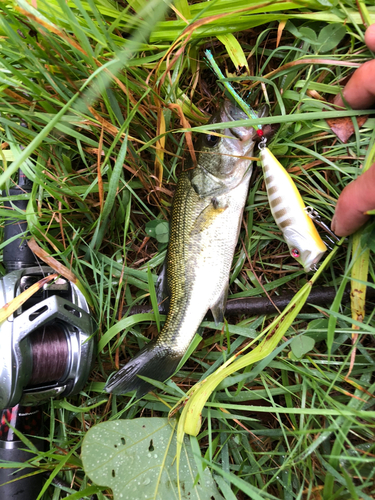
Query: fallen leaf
{"type": "Point", "coordinates": [59, 268]}
{"type": "Point", "coordinates": [160, 145]}
{"type": "Point", "coordinates": [343, 127]}
{"type": "Point", "coordinates": [51, 261]}
{"type": "Point", "coordinates": [280, 30]}
{"type": "Point", "coordinates": [188, 135]}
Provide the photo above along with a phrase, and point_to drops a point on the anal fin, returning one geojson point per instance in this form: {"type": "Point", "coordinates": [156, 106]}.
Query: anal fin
{"type": "Point", "coordinates": [219, 307]}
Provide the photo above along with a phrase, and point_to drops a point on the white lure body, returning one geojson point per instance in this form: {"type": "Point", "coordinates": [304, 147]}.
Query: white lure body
{"type": "Point", "coordinates": [289, 212]}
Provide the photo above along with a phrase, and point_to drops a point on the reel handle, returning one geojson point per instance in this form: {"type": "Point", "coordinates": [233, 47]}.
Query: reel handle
{"type": "Point", "coordinates": [22, 488]}
{"type": "Point", "coordinates": [27, 420]}
{"type": "Point", "coordinates": [17, 254]}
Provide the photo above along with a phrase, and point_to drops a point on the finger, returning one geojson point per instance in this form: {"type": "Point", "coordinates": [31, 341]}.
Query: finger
{"type": "Point", "coordinates": [356, 198]}
{"type": "Point", "coordinates": [359, 92]}
{"type": "Point", "coordinates": [370, 37]}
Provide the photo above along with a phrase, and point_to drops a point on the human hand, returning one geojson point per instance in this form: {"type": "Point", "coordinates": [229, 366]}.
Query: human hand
{"type": "Point", "coordinates": [359, 92]}
{"type": "Point", "coordinates": [359, 196]}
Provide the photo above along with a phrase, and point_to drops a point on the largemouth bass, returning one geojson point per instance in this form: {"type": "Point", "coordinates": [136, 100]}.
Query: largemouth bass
{"type": "Point", "coordinates": [289, 212]}
{"type": "Point", "coordinates": [205, 223]}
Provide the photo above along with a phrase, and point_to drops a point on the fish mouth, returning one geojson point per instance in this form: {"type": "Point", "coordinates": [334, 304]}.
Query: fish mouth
{"type": "Point", "coordinates": [231, 112]}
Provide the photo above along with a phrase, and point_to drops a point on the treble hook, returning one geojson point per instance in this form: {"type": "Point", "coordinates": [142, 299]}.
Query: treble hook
{"type": "Point", "coordinates": [313, 214]}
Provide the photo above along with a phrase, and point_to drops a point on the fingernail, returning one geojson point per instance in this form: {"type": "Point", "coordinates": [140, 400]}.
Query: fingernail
{"type": "Point", "coordinates": [333, 223]}
{"type": "Point", "coordinates": [337, 101]}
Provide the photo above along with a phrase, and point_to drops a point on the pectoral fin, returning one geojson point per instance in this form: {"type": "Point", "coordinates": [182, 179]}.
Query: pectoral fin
{"type": "Point", "coordinates": [219, 308]}
{"type": "Point", "coordinates": [208, 215]}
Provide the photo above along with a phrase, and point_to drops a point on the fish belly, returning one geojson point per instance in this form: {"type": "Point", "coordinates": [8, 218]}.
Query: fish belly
{"type": "Point", "coordinates": [200, 255]}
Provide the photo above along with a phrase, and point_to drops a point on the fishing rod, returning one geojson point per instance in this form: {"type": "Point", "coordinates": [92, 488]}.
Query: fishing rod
{"type": "Point", "coordinates": [46, 350]}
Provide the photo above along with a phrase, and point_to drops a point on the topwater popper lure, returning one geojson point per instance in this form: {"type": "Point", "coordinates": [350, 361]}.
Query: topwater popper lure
{"type": "Point", "coordinates": [290, 213]}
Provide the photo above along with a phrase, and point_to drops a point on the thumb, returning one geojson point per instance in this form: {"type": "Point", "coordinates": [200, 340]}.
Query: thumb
{"type": "Point", "coordinates": [356, 198]}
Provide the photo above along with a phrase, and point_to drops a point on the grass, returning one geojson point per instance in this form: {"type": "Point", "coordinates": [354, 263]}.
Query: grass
{"type": "Point", "coordinates": [90, 107]}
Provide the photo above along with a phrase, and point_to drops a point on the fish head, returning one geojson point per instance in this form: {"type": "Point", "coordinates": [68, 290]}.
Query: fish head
{"type": "Point", "coordinates": [224, 156]}
{"type": "Point", "coordinates": [305, 247]}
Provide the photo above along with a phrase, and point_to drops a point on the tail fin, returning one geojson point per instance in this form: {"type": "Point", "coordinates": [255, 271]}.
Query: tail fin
{"type": "Point", "coordinates": [153, 361]}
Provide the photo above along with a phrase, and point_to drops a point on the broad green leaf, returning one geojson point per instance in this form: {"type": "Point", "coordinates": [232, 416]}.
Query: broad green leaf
{"type": "Point", "coordinates": [280, 150]}
{"type": "Point", "coordinates": [292, 29]}
{"type": "Point", "coordinates": [150, 227]}
{"type": "Point", "coordinates": [308, 35]}
{"type": "Point", "coordinates": [331, 36]}
{"type": "Point", "coordinates": [136, 459]}
{"type": "Point", "coordinates": [162, 232]}
{"type": "Point", "coordinates": [317, 329]}
{"type": "Point", "coordinates": [158, 229]}
{"type": "Point", "coordinates": [301, 345]}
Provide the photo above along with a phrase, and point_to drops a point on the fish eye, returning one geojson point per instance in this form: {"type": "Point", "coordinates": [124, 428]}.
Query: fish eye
{"type": "Point", "coordinates": [211, 140]}
{"type": "Point", "coordinates": [295, 253]}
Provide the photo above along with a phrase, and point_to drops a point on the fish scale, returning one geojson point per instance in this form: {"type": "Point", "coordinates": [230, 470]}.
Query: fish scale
{"type": "Point", "coordinates": [205, 222]}
{"type": "Point", "coordinates": [202, 255]}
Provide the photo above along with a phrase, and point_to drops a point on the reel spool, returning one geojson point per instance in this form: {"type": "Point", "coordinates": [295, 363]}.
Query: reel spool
{"type": "Point", "coordinates": [47, 346]}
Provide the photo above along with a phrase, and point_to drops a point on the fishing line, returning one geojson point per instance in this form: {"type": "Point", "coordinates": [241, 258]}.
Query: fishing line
{"type": "Point", "coordinates": [50, 354]}
{"type": "Point", "coordinates": [246, 108]}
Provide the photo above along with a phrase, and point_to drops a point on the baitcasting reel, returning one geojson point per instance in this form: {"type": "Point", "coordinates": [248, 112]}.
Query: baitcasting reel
{"type": "Point", "coordinates": [46, 346]}
{"type": "Point", "coordinates": [46, 349]}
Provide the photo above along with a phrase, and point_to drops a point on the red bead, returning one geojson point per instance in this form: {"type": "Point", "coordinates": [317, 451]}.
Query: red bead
{"type": "Point", "coordinates": [260, 132]}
